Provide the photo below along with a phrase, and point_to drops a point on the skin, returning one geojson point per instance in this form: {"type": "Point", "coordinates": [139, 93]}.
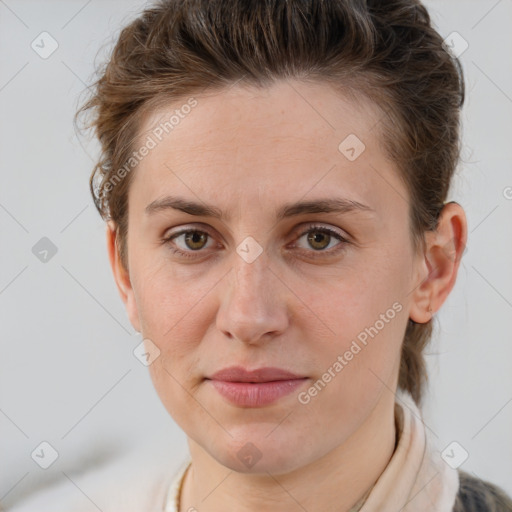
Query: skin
{"type": "Point", "coordinates": [248, 151]}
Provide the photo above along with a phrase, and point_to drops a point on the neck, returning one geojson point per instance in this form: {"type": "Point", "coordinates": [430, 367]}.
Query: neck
{"type": "Point", "coordinates": [336, 481]}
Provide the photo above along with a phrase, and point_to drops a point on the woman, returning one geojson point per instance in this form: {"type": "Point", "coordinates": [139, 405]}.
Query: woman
{"type": "Point", "coordinates": [274, 178]}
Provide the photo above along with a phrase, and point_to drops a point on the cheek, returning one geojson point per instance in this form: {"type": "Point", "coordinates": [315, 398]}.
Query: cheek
{"type": "Point", "coordinates": [172, 316]}
{"type": "Point", "coordinates": [169, 378]}
{"type": "Point", "coordinates": [345, 306]}
{"type": "Point", "coordinates": [361, 317]}
{"type": "Point", "coordinates": [166, 301]}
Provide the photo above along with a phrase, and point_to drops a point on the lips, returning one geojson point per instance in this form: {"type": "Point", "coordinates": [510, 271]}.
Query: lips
{"type": "Point", "coordinates": [266, 374]}
{"type": "Point", "coordinates": [255, 388]}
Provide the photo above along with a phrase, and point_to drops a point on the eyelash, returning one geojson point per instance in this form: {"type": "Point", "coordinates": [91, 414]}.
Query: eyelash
{"type": "Point", "coordinates": [316, 254]}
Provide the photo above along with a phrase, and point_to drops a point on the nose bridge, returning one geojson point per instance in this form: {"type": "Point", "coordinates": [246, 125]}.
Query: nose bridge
{"type": "Point", "coordinates": [249, 308]}
{"type": "Point", "coordinates": [251, 279]}
{"type": "Point", "coordinates": [250, 262]}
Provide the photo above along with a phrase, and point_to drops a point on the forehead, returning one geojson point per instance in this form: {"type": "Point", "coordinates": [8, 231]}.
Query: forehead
{"type": "Point", "coordinates": [291, 138]}
{"type": "Point", "coordinates": [287, 107]}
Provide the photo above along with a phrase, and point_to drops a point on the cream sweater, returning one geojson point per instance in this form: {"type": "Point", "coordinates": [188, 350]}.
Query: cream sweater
{"type": "Point", "coordinates": [416, 479]}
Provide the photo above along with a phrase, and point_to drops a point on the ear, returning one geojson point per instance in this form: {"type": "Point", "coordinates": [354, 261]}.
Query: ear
{"type": "Point", "coordinates": [438, 266]}
{"type": "Point", "coordinates": [121, 275]}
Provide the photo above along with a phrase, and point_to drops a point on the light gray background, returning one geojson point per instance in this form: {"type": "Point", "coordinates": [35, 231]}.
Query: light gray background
{"type": "Point", "coordinates": [67, 372]}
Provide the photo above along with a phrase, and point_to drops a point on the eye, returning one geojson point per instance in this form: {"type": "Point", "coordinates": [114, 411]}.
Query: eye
{"type": "Point", "coordinates": [194, 240]}
{"type": "Point", "coordinates": [320, 237]}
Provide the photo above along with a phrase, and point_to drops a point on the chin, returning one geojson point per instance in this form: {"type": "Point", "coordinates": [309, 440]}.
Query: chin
{"type": "Point", "coordinates": [261, 450]}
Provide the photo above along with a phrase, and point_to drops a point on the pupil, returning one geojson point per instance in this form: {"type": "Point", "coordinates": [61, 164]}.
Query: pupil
{"type": "Point", "coordinates": [194, 238]}
{"type": "Point", "coordinates": [315, 239]}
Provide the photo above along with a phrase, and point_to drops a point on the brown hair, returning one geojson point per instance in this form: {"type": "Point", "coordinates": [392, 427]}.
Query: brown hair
{"type": "Point", "coordinates": [384, 50]}
{"type": "Point", "coordinates": [477, 495]}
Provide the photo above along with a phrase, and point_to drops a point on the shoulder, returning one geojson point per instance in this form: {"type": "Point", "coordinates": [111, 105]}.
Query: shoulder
{"type": "Point", "coordinates": [476, 495]}
{"type": "Point", "coordinates": [137, 480]}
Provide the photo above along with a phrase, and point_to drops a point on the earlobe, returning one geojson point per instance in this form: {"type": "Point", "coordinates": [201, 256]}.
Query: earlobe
{"type": "Point", "coordinates": [121, 274]}
{"type": "Point", "coordinates": [440, 262]}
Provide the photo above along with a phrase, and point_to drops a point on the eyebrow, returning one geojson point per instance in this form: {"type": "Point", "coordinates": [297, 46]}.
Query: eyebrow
{"type": "Point", "coordinates": [327, 205]}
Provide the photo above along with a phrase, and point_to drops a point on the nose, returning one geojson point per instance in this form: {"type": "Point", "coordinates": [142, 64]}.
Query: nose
{"type": "Point", "coordinates": [253, 305]}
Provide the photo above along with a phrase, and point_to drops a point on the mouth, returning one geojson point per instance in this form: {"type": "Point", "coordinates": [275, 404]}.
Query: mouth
{"type": "Point", "coordinates": [264, 374]}
{"type": "Point", "coordinates": [255, 388]}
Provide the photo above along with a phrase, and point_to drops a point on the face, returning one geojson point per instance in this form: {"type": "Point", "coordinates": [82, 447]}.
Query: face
{"type": "Point", "coordinates": [323, 294]}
